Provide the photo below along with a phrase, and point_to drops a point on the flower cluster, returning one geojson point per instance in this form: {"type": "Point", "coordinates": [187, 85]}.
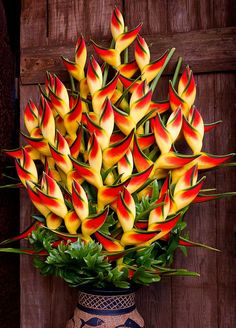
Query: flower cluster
{"type": "Point", "coordinates": [112, 171]}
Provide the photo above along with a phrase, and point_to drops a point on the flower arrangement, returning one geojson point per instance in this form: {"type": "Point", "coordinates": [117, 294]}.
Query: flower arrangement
{"type": "Point", "coordinates": [102, 166]}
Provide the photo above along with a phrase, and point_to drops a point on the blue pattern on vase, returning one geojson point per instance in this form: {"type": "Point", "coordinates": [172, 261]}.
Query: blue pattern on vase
{"type": "Point", "coordinates": [129, 323]}
{"type": "Point", "coordinates": [93, 322]}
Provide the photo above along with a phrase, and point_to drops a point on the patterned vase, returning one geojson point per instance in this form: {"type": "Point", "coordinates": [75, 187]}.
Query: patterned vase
{"type": "Point", "coordinates": [106, 309]}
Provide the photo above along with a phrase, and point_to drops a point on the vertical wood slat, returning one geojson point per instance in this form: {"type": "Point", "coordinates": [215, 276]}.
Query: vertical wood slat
{"type": "Point", "coordinates": [69, 19]}
{"type": "Point", "coordinates": [225, 88]}
{"type": "Point", "coordinates": [33, 23]}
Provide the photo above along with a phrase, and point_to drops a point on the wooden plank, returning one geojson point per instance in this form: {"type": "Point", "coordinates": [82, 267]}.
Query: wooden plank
{"type": "Point", "coordinates": [42, 298]}
{"type": "Point", "coordinates": [194, 300]}
{"type": "Point", "coordinates": [202, 50]}
{"type": "Point", "coordinates": [33, 23]}
{"type": "Point", "coordinates": [68, 19]}
{"type": "Point", "coordinates": [225, 87]}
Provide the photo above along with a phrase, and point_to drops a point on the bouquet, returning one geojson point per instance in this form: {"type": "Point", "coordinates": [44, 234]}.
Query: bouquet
{"type": "Point", "coordinates": [110, 169]}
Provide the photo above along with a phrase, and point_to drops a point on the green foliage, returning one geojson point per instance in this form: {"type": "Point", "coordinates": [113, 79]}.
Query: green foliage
{"type": "Point", "coordinates": [77, 263]}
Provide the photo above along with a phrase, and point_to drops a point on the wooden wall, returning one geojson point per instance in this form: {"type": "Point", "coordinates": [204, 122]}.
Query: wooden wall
{"type": "Point", "coordinates": [204, 33]}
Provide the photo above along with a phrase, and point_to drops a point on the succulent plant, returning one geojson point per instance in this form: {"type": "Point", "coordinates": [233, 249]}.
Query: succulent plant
{"type": "Point", "coordinates": [102, 166]}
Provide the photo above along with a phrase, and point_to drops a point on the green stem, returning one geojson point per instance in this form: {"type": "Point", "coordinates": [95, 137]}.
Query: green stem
{"type": "Point", "coordinates": [72, 82]}
{"type": "Point", "coordinates": [154, 83]}
{"type": "Point", "coordinates": [126, 52]}
{"type": "Point", "coordinates": [106, 69]}
{"type": "Point", "coordinates": [178, 66]}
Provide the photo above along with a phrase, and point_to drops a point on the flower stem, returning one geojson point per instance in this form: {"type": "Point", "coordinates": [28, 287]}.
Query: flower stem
{"type": "Point", "coordinates": [178, 66]}
{"type": "Point", "coordinates": [106, 69]}
{"type": "Point", "coordinates": [155, 81]}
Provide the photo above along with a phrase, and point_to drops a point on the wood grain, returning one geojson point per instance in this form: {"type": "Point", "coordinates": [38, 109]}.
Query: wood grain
{"type": "Point", "coordinates": [225, 106]}
{"type": "Point", "coordinates": [202, 50]}
{"type": "Point", "coordinates": [33, 23]}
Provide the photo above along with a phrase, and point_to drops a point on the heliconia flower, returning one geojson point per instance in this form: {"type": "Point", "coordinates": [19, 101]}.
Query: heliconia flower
{"type": "Point", "coordinates": [72, 222]}
{"type": "Point", "coordinates": [108, 194]}
{"type": "Point", "coordinates": [129, 83]}
{"type": "Point", "coordinates": [150, 71]}
{"type": "Point", "coordinates": [61, 153]}
{"type": "Point", "coordinates": [17, 153]}
{"type": "Point", "coordinates": [166, 136]}
{"type": "Point", "coordinates": [140, 102]}
{"type": "Point", "coordinates": [128, 69]}
{"type": "Point", "coordinates": [193, 130]}
{"type": "Point", "coordinates": [187, 87]}
{"type": "Point", "coordinates": [39, 143]}
{"type": "Point", "coordinates": [202, 197]}
{"type": "Point", "coordinates": [101, 134]}
{"type": "Point", "coordinates": [136, 237]}
{"type": "Point", "coordinates": [51, 196]}
{"type": "Point", "coordinates": [59, 98]}
{"type": "Point", "coordinates": [162, 135]}
{"type": "Point", "coordinates": [176, 101]}
{"type": "Point", "coordinates": [141, 161]}
{"type": "Point", "coordinates": [126, 38]}
{"type": "Point", "coordinates": [125, 165]}
{"type": "Point", "coordinates": [161, 212]}
{"type": "Point", "coordinates": [31, 116]}
{"type": "Point", "coordinates": [142, 53]}
{"type": "Point", "coordinates": [50, 187]}
{"type": "Point", "coordinates": [36, 200]}
{"type": "Point", "coordinates": [138, 179]}
{"type": "Point", "coordinates": [73, 68]}
{"type": "Point", "coordinates": [75, 147]}
{"type": "Point", "coordinates": [109, 244]}
{"type": "Point", "coordinates": [117, 23]}
{"type": "Point", "coordinates": [183, 198]}
{"type": "Point", "coordinates": [110, 56]}
{"type": "Point", "coordinates": [207, 161]}
{"type": "Point", "coordinates": [94, 223]}
{"type": "Point", "coordinates": [115, 152]}
{"type": "Point", "coordinates": [107, 117]}
{"type": "Point", "coordinates": [94, 153]}
{"type": "Point", "coordinates": [210, 126]}
{"type": "Point", "coordinates": [126, 210]}
{"type": "Point", "coordinates": [163, 228]}
{"type": "Point", "coordinates": [174, 123]}
{"type": "Point", "coordinates": [124, 121]}
{"type": "Point", "coordinates": [59, 121]}
{"type": "Point", "coordinates": [79, 200]}
{"type": "Point", "coordinates": [159, 107]}
{"type": "Point", "coordinates": [106, 92]}
{"type": "Point", "coordinates": [145, 140]}
{"type": "Point", "coordinates": [53, 221]}
{"type": "Point", "coordinates": [173, 160]}
{"type": "Point", "coordinates": [49, 83]}
{"type": "Point", "coordinates": [70, 177]}
{"type": "Point", "coordinates": [195, 119]}
{"type": "Point", "coordinates": [47, 122]}
{"type": "Point", "coordinates": [50, 169]}
{"type": "Point", "coordinates": [73, 118]}
{"type": "Point", "coordinates": [88, 173]}
{"type": "Point", "coordinates": [26, 168]}
{"type": "Point", "coordinates": [188, 179]}
{"type": "Point", "coordinates": [94, 75]}
{"type": "Point", "coordinates": [80, 52]}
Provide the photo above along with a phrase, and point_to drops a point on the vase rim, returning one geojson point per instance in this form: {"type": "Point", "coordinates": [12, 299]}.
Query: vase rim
{"type": "Point", "coordinates": [108, 291]}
